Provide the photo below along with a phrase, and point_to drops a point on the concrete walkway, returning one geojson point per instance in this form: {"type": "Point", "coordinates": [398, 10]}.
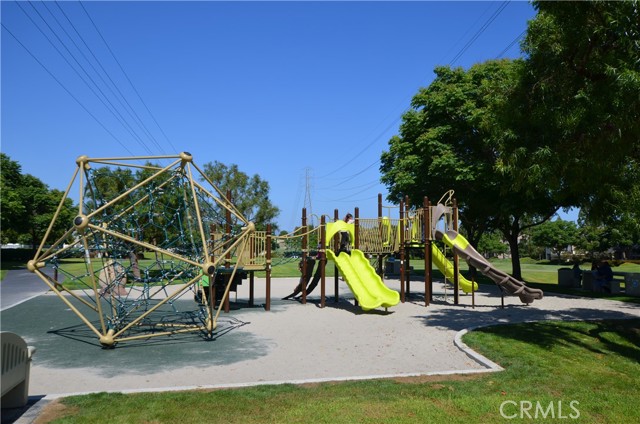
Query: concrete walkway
{"type": "Point", "coordinates": [18, 286]}
{"type": "Point", "coordinates": [292, 343]}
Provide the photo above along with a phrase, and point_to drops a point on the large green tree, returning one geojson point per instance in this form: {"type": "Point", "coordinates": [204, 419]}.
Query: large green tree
{"type": "Point", "coordinates": [12, 218]}
{"type": "Point", "coordinates": [491, 244]}
{"type": "Point", "coordinates": [557, 235]}
{"type": "Point", "coordinates": [28, 207]}
{"type": "Point", "coordinates": [582, 93]}
{"type": "Point", "coordinates": [557, 129]}
{"type": "Point", "coordinates": [452, 138]}
{"type": "Point", "coordinates": [250, 194]}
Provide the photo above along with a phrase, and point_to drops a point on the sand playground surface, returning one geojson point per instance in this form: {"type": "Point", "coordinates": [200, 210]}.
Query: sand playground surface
{"type": "Point", "coordinates": [292, 343]}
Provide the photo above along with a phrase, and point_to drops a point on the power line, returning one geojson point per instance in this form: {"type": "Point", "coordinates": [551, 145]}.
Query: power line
{"type": "Point", "coordinates": [130, 110]}
{"type": "Point", "coordinates": [480, 31]}
{"type": "Point", "coordinates": [104, 99]}
{"type": "Point", "coordinates": [293, 218]}
{"type": "Point", "coordinates": [468, 30]}
{"type": "Point", "coordinates": [111, 107]}
{"type": "Point", "coordinates": [515, 40]}
{"type": "Point", "coordinates": [366, 188]}
{"type": "Point", "coordinates": [377, 180]}
{"type": "Point", "coordinates": [367, 147]}
{"type": "Point", "coordinates": [127, 77]}
{"type": "Point", "coordinates": [458, 55]}
{"type": "Point", "coordinates": [66, 89]}
{"type": "Point", "coordinates": [90, 82]}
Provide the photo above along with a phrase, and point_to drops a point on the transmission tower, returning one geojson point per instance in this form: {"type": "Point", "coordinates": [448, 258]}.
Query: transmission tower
{"type": "Point", "coordinates": [307, 194]}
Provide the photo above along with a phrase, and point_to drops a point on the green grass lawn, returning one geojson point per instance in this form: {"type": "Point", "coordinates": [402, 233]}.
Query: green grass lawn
{"type": "Point", "coordinates": [532, 271]}
{"type": "Point", "coordinates": [282, 268]}
{"type": "Point", "coordinates": [586, 370]}
{"type": "Point", "coordinates": [536, 274]}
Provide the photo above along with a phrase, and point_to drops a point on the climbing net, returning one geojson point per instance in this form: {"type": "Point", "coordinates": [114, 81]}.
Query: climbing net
{"type": "Point", "coordinates": [131, 262]}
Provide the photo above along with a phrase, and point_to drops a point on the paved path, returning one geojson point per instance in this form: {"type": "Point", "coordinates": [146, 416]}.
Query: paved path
{"type": "Point", "coordinates": [19, 286]}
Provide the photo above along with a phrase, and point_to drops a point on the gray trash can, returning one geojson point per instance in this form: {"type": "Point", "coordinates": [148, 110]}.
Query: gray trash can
{"type": "Point", "coordinates": [565, 277]}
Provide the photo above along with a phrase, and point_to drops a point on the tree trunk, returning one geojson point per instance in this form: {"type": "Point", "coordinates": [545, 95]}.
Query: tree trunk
{"type": "Point", "coordinates": [34, 240]}
{"type": "Point", "coordinates": [474, 238]}
{"type": "Point", "coordinates": [516, 270]}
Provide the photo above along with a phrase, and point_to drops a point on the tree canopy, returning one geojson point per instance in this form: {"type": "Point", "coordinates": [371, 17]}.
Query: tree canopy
{"type": "Point", "coordinates": [453, 138]}
{"type": "Point", "coordinates": [582, 82]}
{"type": "Point", "coordinates": [28, 206]}
{"type": "Point", "coordinates": [557, 235]}
{"type": "Point", "coordinates": [249, 194]}
{"type": "Point", "coordinates": [517, 140]}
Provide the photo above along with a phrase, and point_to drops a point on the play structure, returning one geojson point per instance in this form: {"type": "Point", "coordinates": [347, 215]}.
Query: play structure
{"type": "Point", "coordinates": [378, 239]}
{"type": "Point", "coordinates": [360, 276]}
{"type": "Point", "coordinates": [137, 254]}
{"type": "Point", "coordinates": [158, 253]}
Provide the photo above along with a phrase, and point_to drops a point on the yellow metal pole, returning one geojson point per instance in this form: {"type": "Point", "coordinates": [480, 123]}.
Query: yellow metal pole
{"type": "Point", "coordinates": [226, 291]}
{"type": "Point", "coordinates": [66, 301]}
{"type": "Point", "coordinates": [227, 204]}
{"type": "Point", "coordinates": [94, 284]}
{"type": "Point", "coordinates": [55, 215]}
{"type": "Point", "coordinates": [132, 189]}
{"type": "Point", "coordinates": [197, 208]}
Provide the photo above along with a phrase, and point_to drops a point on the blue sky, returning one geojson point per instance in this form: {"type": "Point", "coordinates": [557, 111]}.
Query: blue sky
{"type": "Point", "coordinates": [305, 94]}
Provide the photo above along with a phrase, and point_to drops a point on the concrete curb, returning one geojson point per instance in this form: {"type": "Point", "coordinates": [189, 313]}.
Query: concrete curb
{"type": "Point", "coordinates": [482, 360]}
{"type": "Point", "coordinates": [51, 397]}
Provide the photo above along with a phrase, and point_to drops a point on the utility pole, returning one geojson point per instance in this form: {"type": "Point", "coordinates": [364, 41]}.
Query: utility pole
{"type": "Point", "coordinates": [307, 194]}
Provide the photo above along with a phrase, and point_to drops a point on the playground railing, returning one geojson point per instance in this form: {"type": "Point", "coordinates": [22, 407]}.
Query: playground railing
{"type": "Point", "coordinates": [379, 235]}
{"type": "Point", "coordinates": [416, 232]}
{"type": "Point", "coordinates": [255, 253]}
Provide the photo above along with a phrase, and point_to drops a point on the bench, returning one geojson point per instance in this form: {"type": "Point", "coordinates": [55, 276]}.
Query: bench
{"type": "Point", "coordinates": [16, 365]}
{"type": "Point", "coordinates": [632, 283]}
{"type": "Point", "coordinates": [632, 287]}
{"type": "Point", "coordinates": [618, 277]}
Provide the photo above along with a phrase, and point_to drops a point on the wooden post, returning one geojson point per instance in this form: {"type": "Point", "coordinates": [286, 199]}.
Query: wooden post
{"type": "Point", "coordinates": [212, 291]}
{"type": "Point", "coordinates": [305, 242]}
{"type": "Point", "coordinates": [227, 263]}
{"type": "Point", "coordinates": [336, 247]}
{"type": "Point", "coordinates": [251, 273]}
{"type": "Point", "coordinates": [408, 247]}
{"type": "Point", "coordinates": [323, 260]}
{"type": "Point", "coordinates": [401, 247]}
{"type": "Point", "coordinates": [356, 226]}
{"type": "Point", "coordinates": [380, 269]}
{"type": "Point", "coordinates": [456, 264]}
{"type": "Point", "coordinates": [356, 241]}
{"type": "Point", "coordinates": [427, 250]}
{"type": "Point", "coordinates": [251, 283]}
{"type": "Point", "coordinates": [268, 270]}
{"type": "Point", "coordinates": [473, 291]}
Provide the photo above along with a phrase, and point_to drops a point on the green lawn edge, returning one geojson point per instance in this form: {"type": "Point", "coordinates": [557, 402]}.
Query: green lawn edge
{"type": "Point", "coordinates": [566, 369]}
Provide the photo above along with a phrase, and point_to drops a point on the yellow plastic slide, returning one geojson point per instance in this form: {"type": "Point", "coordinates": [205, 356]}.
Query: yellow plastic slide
{"type": "Point", "coordinates": [446, 267]}
{"type": "Point", "coordinates": [364, 282]}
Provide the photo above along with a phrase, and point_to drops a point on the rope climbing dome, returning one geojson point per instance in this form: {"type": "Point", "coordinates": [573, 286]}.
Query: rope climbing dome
{"type": "Point", "coordinates": [132, 259]}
